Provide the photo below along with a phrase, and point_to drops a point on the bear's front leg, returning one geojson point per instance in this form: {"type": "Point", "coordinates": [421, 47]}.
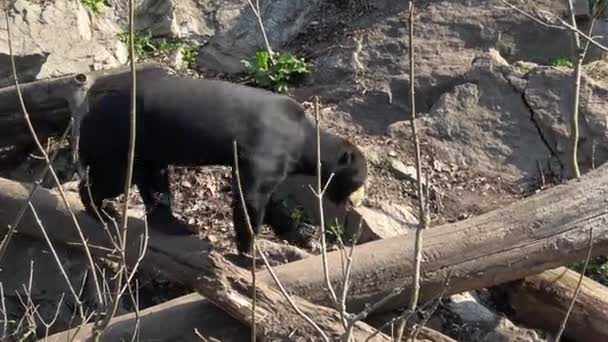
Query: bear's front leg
{"type": "Point", "coordinates": [93, 193]}
{"type": "Point", "coordinates": [258, 182]}
{"type": "Point", "coordinates": [154, 188]}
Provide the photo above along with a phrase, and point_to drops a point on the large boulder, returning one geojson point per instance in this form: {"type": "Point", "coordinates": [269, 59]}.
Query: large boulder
{"type": "Point", "coordinates": [550, 95]}
{"type": "Point", "coordinates": [484, 124]}
{"type": "Point", "coordinates": [56, 38]}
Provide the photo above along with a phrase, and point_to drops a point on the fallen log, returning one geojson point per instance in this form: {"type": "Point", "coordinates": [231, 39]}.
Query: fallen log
{"type": "Point", "coordinates": [542, 300]}
{"type": "Point", "coordinates": [184, 315]}
{"type": "Point", "coordinates": [52, 93]}
{"type": "Point", "coordinates": [50, 101]}
{"type": "Point", "coordinates": [541, 232]}
{"type": "Point", "coordinates": [186, 260]}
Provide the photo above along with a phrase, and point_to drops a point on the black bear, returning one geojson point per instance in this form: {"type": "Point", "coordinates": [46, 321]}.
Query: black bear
{"type": "Point", "coordinates": [193, 122]}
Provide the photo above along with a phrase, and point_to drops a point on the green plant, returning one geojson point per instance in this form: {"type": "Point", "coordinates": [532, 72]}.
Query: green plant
{"type": "Point", "coordinates": [596, 270]}
{"type": "Point", "coordinates": [189, 54]}
{"type": "Point", "coordinates": [142, 42]}
{"type": "Point", "coordinates": [146, 46]}
{"type": "Point", "coordinates": [275, 71]}
{"type": "Point", "coordinates": [95, 6]}
{"type": "Point", "coordinates": [562, 62]}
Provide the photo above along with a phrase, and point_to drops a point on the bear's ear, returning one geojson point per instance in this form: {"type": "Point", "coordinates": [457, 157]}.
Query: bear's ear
{"type": "Point", "coordinates": [345, 158]}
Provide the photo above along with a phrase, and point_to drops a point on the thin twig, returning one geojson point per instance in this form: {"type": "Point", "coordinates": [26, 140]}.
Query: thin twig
{"type": "Point", "coordinates": [419, 327]}
{"type": "Point", "coordinates": [37, 181]}
{"type": "Point", "coordinates": [263, 255]}
{"type": "Point", "coordinates": [258, 14]}
{"type": "Point", "coordinates": [562, 326]}
{"type": "Point", "coordinates": [57, 261]}
{"type": "Point", "coordinates": [574, 132]}
{"type": "Point", "coordinates": [119, 288]}
{"type": "Point", "coordinates": [319, 193]}
{"type": "Point", "coordinates": [391, 322]}
{"type": "Point", "coordinates": [4, 313]}
{"type": "Point", "coordinates": [253, 239]}
{"type": "Point", "coordinates": [422, 212]}
{"type": "Point", "coordinates": [347, 319]}
{"type": "Point", "coordinates": [563, 25]}
{"type": "Point", "coordinates": [530, 16]}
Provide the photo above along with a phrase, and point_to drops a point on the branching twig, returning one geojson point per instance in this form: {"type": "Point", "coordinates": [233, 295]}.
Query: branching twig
{"type": "Point", "coordinates": [319, 193]}
{"type": "Point", "coordinates": [258, 14]}
{"type": "Point", "coordinates": [37, 181]}
{"type": "Point", "coordinates": [563, 25]}
{"type": "Point", "coordinates": [419, 327]}
{"type": "Point", "coordinates": [57, 261]}
{"type": "Point", "coordinates": [562, 326]}
{"type": "Point", "coordinates": [123, 271]}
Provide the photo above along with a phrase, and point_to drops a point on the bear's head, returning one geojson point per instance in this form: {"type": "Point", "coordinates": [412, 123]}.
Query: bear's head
{"type": "Point", "coordinates": [350, 173]}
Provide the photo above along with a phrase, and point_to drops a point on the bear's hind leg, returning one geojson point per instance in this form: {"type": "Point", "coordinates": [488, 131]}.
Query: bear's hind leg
{"type": "Point", "coordinates": [258, 184]}
{"type": "Point", "coordinates": [153, 185]}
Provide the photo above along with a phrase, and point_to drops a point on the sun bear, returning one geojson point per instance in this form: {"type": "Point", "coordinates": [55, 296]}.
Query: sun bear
{"type": "Point", "coordinates": [193, 122]}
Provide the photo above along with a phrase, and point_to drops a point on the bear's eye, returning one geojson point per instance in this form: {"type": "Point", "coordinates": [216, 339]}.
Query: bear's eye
{"type": "Point", "coordinates": [345, 158]}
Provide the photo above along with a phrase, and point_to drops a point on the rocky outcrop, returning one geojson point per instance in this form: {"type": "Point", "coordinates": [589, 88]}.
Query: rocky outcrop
{"type": "Point", "coordinates": [56, 38]}
{"type": "Point", "coordinates": [549, 93]}
{"type": "Point", "coordinates": [485, 124]}
{"type": "Point", "coordinates": [228, 31]}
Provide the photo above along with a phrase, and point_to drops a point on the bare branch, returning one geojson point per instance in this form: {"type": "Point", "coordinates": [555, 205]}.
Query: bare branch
{"type": "Point", "coordinates": [57, 261]}
{"type": "Point", "coordinates": [578, 288]}
{"type": "Point", "coordinates": [319, 193]}
{"type": "Point", "coordinates": [563, 25]}
{"type": "Point", "coordinates": [574, 132]}
{"type": "Point", "coordinates": [37, 181]}
{"type": "Point", "coordinates": [258, 14]}
{"type": "Point", "coordinates": [423, 216]}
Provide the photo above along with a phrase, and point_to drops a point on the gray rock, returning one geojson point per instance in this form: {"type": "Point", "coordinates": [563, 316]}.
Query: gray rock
{"type": "Point", "coordinates": [550, 94]}
{"type": "Point", "coordinates": [385, 221]}
{"type": "Point", "coordinates": [449, 35]}
{"type": "Point", "coordinates": [240, 35]}
{"type": "Point", "coordinates": [403, 171]}
{"type": "Point", "coordinates": [280, 253]}
{"type": "Point", "coordinates": [196, 20]}
{"type": "Point", "coordinates": [484, 124]}
{"type": "Point", "coordinates": [56, 38]}
{"type": "Point", "coordinates": [483, 324]}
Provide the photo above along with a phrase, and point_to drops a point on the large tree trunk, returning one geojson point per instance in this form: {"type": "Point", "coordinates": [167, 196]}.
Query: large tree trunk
{"type": "Point", "coordinates": [48, 103]}
{"type": "Point", "coordinates": [541, 232]}
{"type": "Point", "coordinates": [541, 301]}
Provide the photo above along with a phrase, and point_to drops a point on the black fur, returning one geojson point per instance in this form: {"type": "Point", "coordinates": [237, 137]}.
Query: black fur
{"type": "Point", "coordinates": [189, 122]}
